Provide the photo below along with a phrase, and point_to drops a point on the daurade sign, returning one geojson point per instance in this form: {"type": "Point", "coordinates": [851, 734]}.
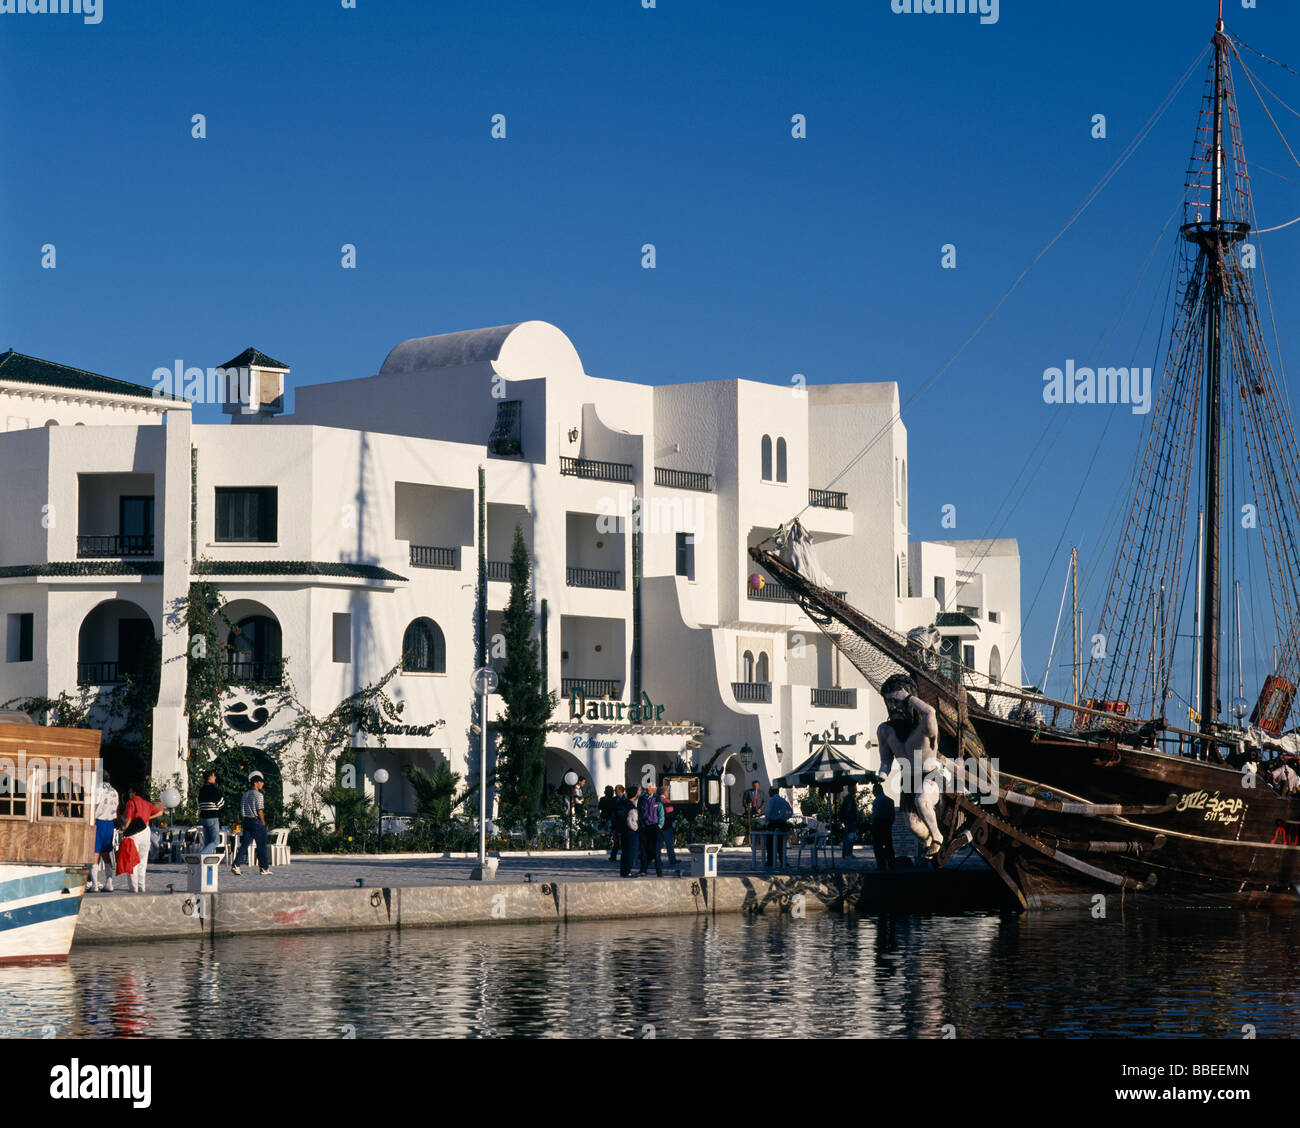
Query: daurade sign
{"type": "Point", "coordinates": [643, 712]}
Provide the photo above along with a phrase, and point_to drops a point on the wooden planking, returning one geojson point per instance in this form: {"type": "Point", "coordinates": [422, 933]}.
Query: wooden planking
{"type": "Point", "coordinates": [63, 842]}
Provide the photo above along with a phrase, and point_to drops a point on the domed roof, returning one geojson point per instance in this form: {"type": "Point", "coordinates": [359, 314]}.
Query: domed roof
{"type": "Point", "coordinates": [535, 344]}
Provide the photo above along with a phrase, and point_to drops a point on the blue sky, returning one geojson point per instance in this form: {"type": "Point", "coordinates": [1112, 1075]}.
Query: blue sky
{"type": "Point", "coordinates": [627, 125]}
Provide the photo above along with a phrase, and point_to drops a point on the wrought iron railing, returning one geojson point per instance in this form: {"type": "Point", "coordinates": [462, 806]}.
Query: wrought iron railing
{"type": "Point", "coordinates": [683, 479]}
{"type": "Point", "coordinates": [430, 556]}
{"type": "Point", "coordinates": [600, 471]}
{"type": "Point", "coordinates": [834, 698]}
{"type": "Point", "coordinates": [772, 592]}
{"type": "Point", "coordinates": [759, 693]}
{"type": "Point", "coordinates": [99, 673]}
{"type": "Point", "coordinates": [592, 687]}
{"type": "Point", "coordinates": [594, 578]}
{"type": "Point", "coordinates": [828, 499]}
{"type": "Point", "coordinates": [240, 671]}
{"type": "Point", "coordinates": [132, 545]}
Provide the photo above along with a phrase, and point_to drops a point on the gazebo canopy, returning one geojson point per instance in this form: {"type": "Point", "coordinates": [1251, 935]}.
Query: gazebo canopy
{"type": "Point", "coordinates": [827, 767]}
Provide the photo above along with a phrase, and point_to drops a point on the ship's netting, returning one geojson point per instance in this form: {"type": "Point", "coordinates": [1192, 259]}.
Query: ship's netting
{"type": "Point", "coordinates": [878, 652]}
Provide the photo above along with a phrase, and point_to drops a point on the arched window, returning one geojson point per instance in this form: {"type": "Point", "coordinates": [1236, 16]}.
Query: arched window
{"type": "Point", "coordinates": [767, 458]}
{"type": "Point", "coordinates": [424, 651]}
{"type": "Point", "coordinates": [780, 460]}
{"type": "Point", "coordinates": [747, 666]}
{"type": "Point", "coordinates": [761, 674]}
{"type": "Point", "coordinates": [255, 657]}
{"type": "Point", "coordinates": [51, 422]}
{"type": "Point", "coordinates": [995, 666]}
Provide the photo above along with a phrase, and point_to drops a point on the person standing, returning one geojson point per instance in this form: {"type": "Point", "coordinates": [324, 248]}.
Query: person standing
{"type": "Point", "coordinates": [211, 804]}
{"type": "Point", "coordinates": [629, 830]}
{"type": "Point", "coordinates": [752, 805]}
{"type": "Point", "coordinates": [849, 820]}
{"type": "Point", "coordinates": [252, 810]}
{"type": "Point", "coordinates": [668, 816]}
{"type": "Point", "coordinates": [779, 813]}
{"type": "Point", "coordinates": [882, 829]}
{"type": "Point", "coordinates": [649, 819]}
{"type": "Point", "coordinates": [106, 807]}
{"type": "Point", "coordinates": [606, 809]}
{"type": "Point", "coordinates": [135, 860]}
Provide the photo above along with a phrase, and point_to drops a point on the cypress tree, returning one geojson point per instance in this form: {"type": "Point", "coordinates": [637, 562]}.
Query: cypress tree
{"type": "Point", "coordinates": [521, 762]}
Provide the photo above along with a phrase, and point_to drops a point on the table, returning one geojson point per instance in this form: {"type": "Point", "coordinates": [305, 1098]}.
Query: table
{"type": "Point", "coordinates": [757, 837]}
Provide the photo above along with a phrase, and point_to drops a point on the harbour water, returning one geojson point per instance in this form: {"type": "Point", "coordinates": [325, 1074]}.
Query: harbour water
{"type": "Point", "coordinates": [1143, 973]}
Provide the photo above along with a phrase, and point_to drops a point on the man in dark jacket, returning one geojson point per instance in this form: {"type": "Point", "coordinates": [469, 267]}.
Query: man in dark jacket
{"type": "Point", "coordinates": [849, 820]}
{"type": "Point", "coordinates": [627, 820]}
{"type": "Point", "coordinates": [606, 809]}
{"type": "Point", "coordinates": [211, 804]}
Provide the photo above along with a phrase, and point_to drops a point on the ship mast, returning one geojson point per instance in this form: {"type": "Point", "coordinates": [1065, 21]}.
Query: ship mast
{"type": "Point", "coordinates": [1213, 239]}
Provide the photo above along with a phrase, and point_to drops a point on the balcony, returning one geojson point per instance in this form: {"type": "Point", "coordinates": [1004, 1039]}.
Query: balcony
{"type": "Point", "coordinates": [591, 687]}
{"type": "Point", "coordinates": [99, 673]}
{"type": "Point", "coordinates": [828, 499]}
{"type": "Point", "coordinates": [241, 671]}
{"type": "Point", "coordinates": [101, 546]}
{"type": "Point", "coordinates": [428, 556]}
{"type": "Point", "coordinates": [683, 479]}
{"type": "Point", "coordinates": [834, 698]}
{"type": "Point", "coordinates": [594, 578]}
{"type": "Point", "coordinates": [596, 471]}
{"type": "Point", "coordinates": [498, 571]}
{"type": "Point", "coordinates": [753, 693]}
{"type": "Point", "coordinates": [772, 592]}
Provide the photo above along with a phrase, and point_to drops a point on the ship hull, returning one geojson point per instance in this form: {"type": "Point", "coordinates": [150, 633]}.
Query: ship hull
{"type": "Point", "coordinates": [38, 911]}
{"type": "Point", "coordinates": [1218, 840]}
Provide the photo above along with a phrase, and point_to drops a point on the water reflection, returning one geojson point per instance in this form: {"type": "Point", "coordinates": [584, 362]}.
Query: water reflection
{"type": "Point", "coordinates": [1143, 974]}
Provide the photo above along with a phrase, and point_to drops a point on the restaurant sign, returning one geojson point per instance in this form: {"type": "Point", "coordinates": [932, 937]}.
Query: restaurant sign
{"type": "Point", "coordinates": [643, 712]}
{"type": "Point", "coordinates": [375, 723]}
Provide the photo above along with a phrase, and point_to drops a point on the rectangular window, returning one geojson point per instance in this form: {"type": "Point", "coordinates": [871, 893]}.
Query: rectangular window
{"type": "Point", "coordinates": [246, 514]}
{"type": "Point", "coordinates": [938, 591]}
{"type": "Point", "coordinates": [993, 616]}
{"type": "Point", "coordinates": [968, 656]}
{"type": "Point", "coordinates": [686, 555]}
{"type": "Point", "coordinates": [13, 790]}
{"type": "Point", "coordinates": [18, 644]}
{"type": "Point", "coordinates": [342, 637]}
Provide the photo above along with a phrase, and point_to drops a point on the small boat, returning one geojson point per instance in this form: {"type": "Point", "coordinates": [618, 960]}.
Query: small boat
{"type": "Point", "coordinates": [48, 781]}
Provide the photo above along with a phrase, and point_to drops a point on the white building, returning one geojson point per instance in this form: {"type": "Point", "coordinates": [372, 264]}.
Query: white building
{"type": "Point", "coordinates": [346, 534]}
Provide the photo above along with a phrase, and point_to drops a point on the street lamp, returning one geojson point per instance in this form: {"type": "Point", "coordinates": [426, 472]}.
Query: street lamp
{"type": "Point", "coordinates": [570, 780]}
{"type": "Point", "coordinates": [380, 778]}
{"type": "Point", "coordinates": [483, 681]}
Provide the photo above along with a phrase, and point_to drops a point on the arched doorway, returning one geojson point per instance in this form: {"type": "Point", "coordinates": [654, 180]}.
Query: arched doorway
{"type": "Point", "coordinates": [254, 645]}
{"type": "Point", "coordinates": [558, 762]}
{"type": "Point", "coordinates": [116, 641]}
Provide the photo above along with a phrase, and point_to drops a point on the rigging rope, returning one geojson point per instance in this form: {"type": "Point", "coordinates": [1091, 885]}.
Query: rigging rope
{"type": "Point", "coordinates": [1087, 202]}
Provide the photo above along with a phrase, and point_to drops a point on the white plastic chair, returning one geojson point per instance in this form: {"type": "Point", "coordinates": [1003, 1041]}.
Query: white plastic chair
{"type": "Point", "coordinates": [278, 845]}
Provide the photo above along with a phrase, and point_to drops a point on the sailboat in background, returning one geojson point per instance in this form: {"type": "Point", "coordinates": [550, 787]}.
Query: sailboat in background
{"type": "Point", "coordinates": [1104, 793]}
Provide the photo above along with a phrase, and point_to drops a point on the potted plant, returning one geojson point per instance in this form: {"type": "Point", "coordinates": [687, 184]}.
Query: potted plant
{"type": "Point", "coordinates": [738, 830]}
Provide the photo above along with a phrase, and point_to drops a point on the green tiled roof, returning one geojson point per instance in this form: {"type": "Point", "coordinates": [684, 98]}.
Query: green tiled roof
{"type": "Point", "coordinates": [294, 568]}
{"type": "Point", "coordinates": [954, 619]}
{"type": "Point", "coordinates": [33, 370]}
{"type": "Point", "coordinates": [85, 568]}
{"type": "Point", "coordinates": [251, 358]}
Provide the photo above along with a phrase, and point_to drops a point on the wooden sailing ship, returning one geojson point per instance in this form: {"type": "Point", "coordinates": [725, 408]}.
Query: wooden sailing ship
{"type": "Point", "coordinates": [1103, 793]}
{"type": "Point", "coordinates": [48, 781]}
